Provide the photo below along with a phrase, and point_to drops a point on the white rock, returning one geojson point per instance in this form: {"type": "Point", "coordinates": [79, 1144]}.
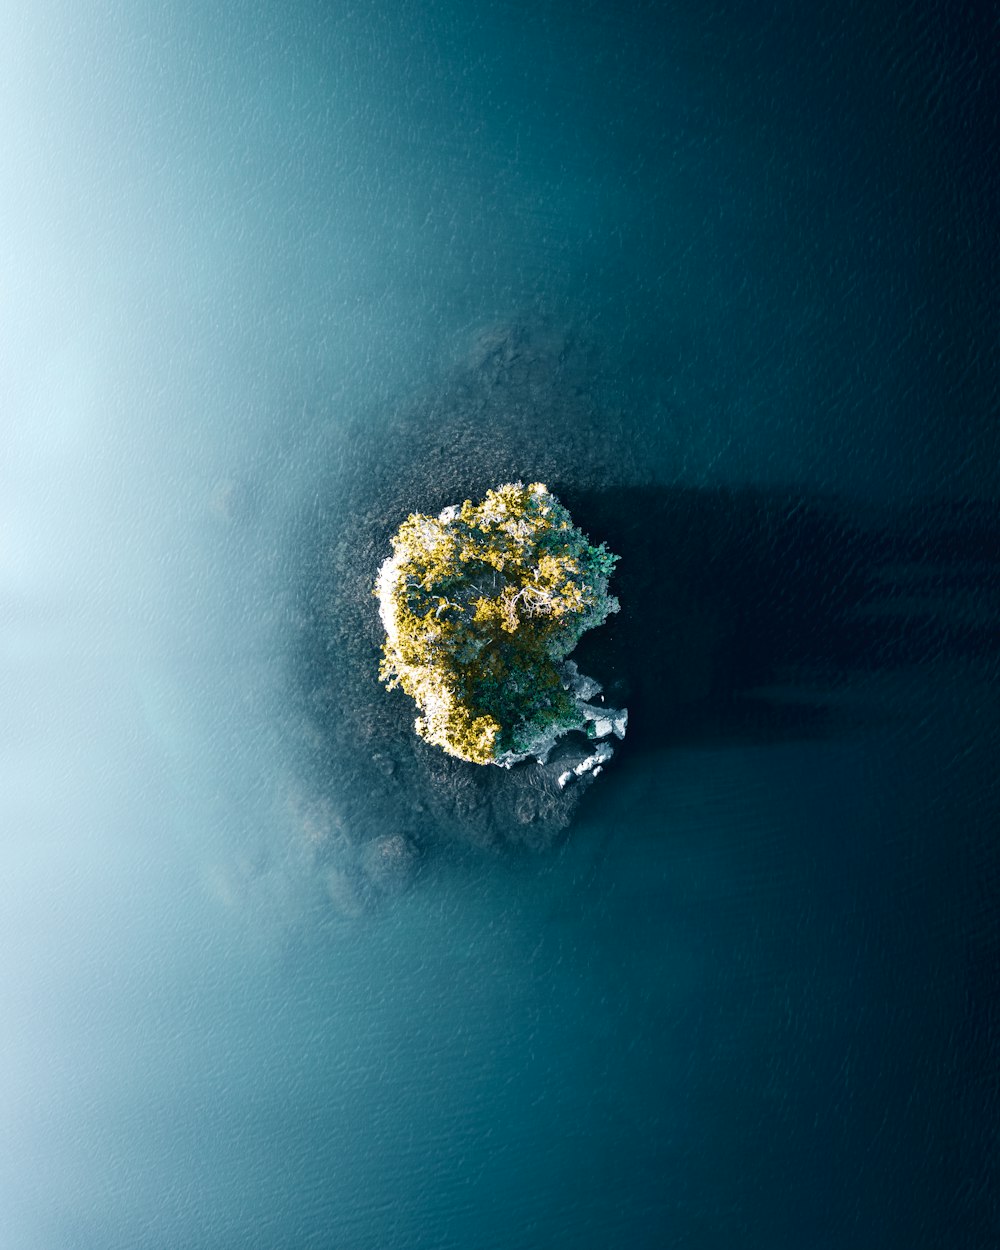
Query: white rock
{"type": "Point", "coordinates": [592, 762]}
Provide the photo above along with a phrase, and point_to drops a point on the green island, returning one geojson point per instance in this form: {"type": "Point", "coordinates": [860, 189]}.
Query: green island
{"type": "Point", "coordinates": [481, 606]}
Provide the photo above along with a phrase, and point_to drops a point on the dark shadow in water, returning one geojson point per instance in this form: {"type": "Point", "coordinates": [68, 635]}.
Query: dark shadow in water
{"type": "Point", "coordinates": [747, 616]}
{"type": "Point", "coordinates": [745, 613]}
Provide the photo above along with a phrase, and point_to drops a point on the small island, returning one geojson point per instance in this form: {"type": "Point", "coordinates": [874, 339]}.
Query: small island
{"type": "Point", "coordinates": [481, 606]}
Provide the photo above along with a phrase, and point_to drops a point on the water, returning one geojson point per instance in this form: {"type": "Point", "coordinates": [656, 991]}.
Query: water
{"type": "Point", "coordinates": [247, 257]}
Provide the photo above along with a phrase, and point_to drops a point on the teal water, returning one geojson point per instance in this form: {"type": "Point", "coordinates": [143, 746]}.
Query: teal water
{"type": "Point", "coordinates": [748, 1000]}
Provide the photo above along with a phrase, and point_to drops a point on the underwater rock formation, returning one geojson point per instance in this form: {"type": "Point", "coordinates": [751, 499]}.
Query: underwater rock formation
{"type": "Point", "coordinates": [522, 406]}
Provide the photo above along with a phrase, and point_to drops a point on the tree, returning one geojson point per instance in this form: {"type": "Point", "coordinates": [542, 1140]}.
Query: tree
{"type": "Point", "coordinates": [481, 605]}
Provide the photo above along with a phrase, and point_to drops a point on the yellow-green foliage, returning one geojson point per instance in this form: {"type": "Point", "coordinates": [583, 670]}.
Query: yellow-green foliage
{"type": "Point", "coordinates": [479, 605]}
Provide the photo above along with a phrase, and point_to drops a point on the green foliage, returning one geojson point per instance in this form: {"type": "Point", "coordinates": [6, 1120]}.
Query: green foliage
{"type": "Point", "coordinates": [480, 604]}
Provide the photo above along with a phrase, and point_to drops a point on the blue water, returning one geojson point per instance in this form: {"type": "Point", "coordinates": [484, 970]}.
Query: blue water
{"type": "Point", "coordinates": [748, 1000]}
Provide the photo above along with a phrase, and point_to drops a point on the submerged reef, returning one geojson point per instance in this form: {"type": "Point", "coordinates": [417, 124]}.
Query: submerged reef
{"type": "Point", "coordinates": [481, 605]}
{"type": "Point", "coordinates": [514, 405]}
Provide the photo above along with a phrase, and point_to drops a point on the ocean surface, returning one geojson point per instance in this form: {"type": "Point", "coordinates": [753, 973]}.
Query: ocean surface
{"type": "Point", "coordinates": [749, 999]}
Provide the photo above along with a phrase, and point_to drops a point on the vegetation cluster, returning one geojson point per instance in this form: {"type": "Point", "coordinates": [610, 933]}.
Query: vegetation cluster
{"type": "Point", "coordinates": [481, 605]}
